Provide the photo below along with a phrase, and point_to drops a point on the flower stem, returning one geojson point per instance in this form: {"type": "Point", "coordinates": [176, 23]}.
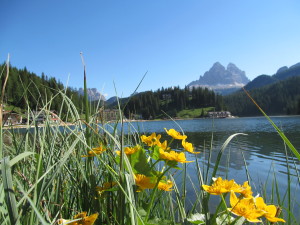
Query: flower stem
{"type": "Point", "coordinates": [153, 193]}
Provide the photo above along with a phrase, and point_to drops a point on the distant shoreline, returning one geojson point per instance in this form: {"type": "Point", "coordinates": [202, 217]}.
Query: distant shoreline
{"type": "Point", "coordinates": [129, 121]}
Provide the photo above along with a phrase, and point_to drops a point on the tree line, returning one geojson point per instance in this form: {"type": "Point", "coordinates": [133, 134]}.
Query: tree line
{"type": "Point", "coordinates": [25, 88]}
{"type": "Point", "coordinates": [153, 104]}
{"type": "Point", "coordinates": [281, 98]}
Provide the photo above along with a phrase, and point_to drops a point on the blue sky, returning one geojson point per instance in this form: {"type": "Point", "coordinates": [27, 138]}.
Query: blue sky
{"type": "Point", "coordinates": [175, 41]}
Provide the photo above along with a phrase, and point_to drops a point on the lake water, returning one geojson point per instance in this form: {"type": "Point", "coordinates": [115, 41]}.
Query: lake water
{"type": "Point", "coordinates": [262, 148]}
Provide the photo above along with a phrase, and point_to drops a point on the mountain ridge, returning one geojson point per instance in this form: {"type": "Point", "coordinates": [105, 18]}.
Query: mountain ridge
{"type": "Point", "coordinates": [222, 80]}
{"type": "Point", "coordinates": [93, 94]}
{"type": "Point", "coordinates": [282, 73]}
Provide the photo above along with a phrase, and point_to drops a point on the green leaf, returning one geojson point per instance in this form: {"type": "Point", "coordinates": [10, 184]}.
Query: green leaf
{"type": "Point", "coordinates": [139, 163]}
{"type": "Point", "coordinates": [226, 219]}
{"type": "Point", "coordinates": [155, 153]}
{"type": "Point", "coordinates": [173, 164]}
{"type": "Point", "coordinates": [196, 218]}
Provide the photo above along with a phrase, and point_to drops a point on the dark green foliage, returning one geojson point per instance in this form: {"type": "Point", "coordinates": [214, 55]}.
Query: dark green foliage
{"type": "Point", "coordinates": [171, 100]}
{"type": "Point", "coordinates": [261, 81]}
{"type": "Point", "coordinates": [282, 74]}
{"type": "Point", "coordinates": [27, 89]}
{"type": "Point", "coordinates": [281, 98]}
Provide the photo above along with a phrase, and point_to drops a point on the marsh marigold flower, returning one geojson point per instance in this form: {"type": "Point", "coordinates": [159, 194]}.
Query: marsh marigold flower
{"type": "Point", "coordinates": [173, 156]}
{"type": "Point", "coordinates": [84, 220]}
{"type": "Point", "coordinates": [144, 182]}
{"type": "Point", "coordinates": [151, 140]}
{"type": "Point", "coordinates": [269, 210]}
{"type": "Point", "coordinates": [245, 207]}
{"type": "Point", "coordinates": [221, 186]}
{"type": "Point", "coordinates": [164, 145]}
{"type": "Point", "coordinates": [175, 134]}
{"type": "Point", "coordinates": [188, 147]}
{"type": "Point", "coordinates": [105, 186]}
{"type": "Point", "coordinates": [95, 151]}
{"type": "Point", "coordinates": [165, 186]}
{"type": "Point", "coordinates": [246, 190]}
{"type": "Point", "coordinates": [130, 150]}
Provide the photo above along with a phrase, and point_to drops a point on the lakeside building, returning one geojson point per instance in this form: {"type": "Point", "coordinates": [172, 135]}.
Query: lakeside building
{"type": "Point", "coordinates": [109, 114]}
{"type": "Point", "coordinates": [11, 118]}
{"type": "Point", "coordinates": [42, 116]}
{"type": "Point", "coordinates": [221, 114]}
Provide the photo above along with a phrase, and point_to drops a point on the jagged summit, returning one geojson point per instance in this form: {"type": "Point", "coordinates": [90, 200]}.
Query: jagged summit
{"type": "Point", "coordinates": [93, 94]}
{"type": "Point", "coordinates": [221, 79]}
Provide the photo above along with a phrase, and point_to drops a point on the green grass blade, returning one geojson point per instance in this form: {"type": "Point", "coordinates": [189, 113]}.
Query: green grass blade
{"type": "Point", "coordinates": [281, 134]}
{"type": "Point", "coordinates": [38, 214]}
{"type": "Point", "coordinates": [225, 144]}
{"type": "Point", "coordinates": [10, 198]}
{"type": "Point", "coordinates": [19, 157]}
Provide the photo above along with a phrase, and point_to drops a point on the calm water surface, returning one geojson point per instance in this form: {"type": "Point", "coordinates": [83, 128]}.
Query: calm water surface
{"type": "Point", "coordinates": [262, 148]}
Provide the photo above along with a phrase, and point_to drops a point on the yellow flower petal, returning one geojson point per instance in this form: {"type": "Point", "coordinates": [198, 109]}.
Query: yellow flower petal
{"type": "Point", "coordinates": [165, 186]}
{"type": "Point", "coordinates": [84, 220]}
{"type": "Point", "coordinates": [269, 210]}
{"type": "Point", "coordinates": [247, 191]}
{"type": "Point", "coordinates": [221, 186]}
{"type": "Point", "coordinates": [130, 150]}
{"type": "Point", "coordinates": [144, 182]}
{"type": "Point", "coordinates": [151, 140]}
{"type": "Point", "coordinates": [105, 186]}
{"type": "Point", "coordinates": [90, 220]}
{"type": "Point", "coordinates": [245, 207]}
{"type": "Point", "coordinates": [95, 151]}
{"type": "Point", "coordinates": [175, 134]}
{"type": "Point", "coordinates": [173, 156]}
{"type": "Point", "coordinates": [188, 147]}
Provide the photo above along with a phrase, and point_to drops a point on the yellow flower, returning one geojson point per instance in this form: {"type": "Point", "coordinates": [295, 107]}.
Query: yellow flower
{"type": "Point", "coordinates": [175, 134]}
{"type": "Point", "coordinates": [151, 140]}
{"type": "Point", "coordinates": [163, 145]}
{"type": "Point", "coordinates": [84, 220]}
{"type": "Point", "coordinates": [188, 147]}
{"type": "Point", "coordinates": [269, 210]}
{"type": "Point", "coordinates": [130, 150]}
{"type": "Point", "coordinates": [221, 186]}
{"type": "Point", "coordinates": [165, 186]}
{"type": "Point", "coordinates": [246, 190]}
{"type": "Point", "coordinates": [105, 186]}
{"type": "Point", "coordinates": [144, 182]}
{"type": "Point", "coordinates": [173, 156]}
{"type": "Point", "coordinates": [245, 207]}
{"type": "Point", "coordinates": [95, 151]}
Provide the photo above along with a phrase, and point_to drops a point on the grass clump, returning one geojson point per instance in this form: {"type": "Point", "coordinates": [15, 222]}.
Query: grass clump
{"type": "Point", "coordinates": [194, 113]}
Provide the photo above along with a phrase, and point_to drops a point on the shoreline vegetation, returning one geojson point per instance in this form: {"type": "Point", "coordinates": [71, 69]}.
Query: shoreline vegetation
{"type": "Point", "coordinates": [93, 175]}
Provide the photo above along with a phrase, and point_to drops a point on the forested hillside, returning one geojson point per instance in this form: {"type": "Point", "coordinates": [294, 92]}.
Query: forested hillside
{"type": "Point", "coordinates": [171, 100]}
{"type": "Point", "coordinates": [281, 74]}
{"type": "Point", "coordinates": [280, 98]}
{"type": "Point", "coordinates": [25, 88]}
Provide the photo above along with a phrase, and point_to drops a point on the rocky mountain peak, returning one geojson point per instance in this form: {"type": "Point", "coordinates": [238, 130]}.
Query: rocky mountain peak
{"type": "Point", "coordinates": [220, 77]}
{"type": "Point", "coordinates": [217, 68]}
{"type": "Point", "coordinates": [232, 67]}
{"type": "Point", "coordinates": [93, 94]}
